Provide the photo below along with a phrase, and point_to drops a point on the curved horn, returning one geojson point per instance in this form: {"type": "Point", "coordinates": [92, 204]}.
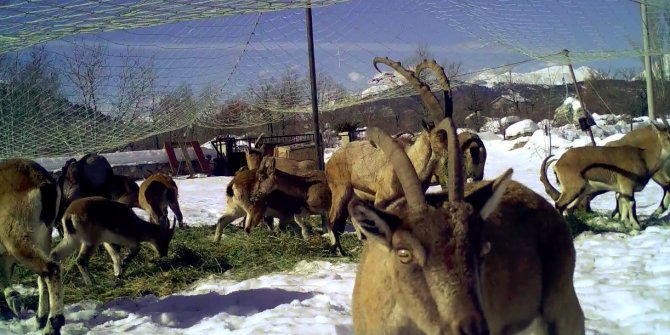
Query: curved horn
{"type": "Point", "coordinates": [437, 69]}
{"type": "Point", "coordinates": [258, 140]}
{"type": "Point", "coordinates": [429, 100]}
{"type": "Point", "coordinates": [442, 80]}
{"type": "Point", "coordinates": [402, 166]}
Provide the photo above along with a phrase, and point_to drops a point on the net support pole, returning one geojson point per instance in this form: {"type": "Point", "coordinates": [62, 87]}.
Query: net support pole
{"type": "Point", "coordinates": [312, 82]}
{"type": "Point", "coordinates": [579, 96]}
{"type": "Point", "coordinates": [647, 62]}
{"type": "Point", "coordinates": [315, 102]}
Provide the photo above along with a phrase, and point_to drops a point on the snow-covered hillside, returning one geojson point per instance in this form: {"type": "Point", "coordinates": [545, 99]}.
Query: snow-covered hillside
{"type": "Point", "coordinates": [623, 281]}
{"type": "Point", "coordinates": [553, 75]}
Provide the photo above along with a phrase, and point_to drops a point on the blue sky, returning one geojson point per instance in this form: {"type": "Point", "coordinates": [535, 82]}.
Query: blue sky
{"type": "Point", "coordinates": [479, 33]}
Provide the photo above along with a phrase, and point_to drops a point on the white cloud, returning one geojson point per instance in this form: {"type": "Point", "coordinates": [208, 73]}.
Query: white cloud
{"type": "Point", "coordinates": [355, 76]}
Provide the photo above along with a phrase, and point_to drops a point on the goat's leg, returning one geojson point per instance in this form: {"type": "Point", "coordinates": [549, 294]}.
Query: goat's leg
{"type": "Point", "coordinates": [665, 201]}
{"type": "Point", "coordinates": [341, 194]}
{"type": "Point", "coordinates": [85, 253]}
{"type": "Point", "coordinates": [65, 248]}
{"type": "Point", "coordinates": [43, 305]}
{"type": "Point", "coordinates": [616, 213]}
{"type": "Point", "coordinates": [254, 216]}
{"type": "Point", "coordinates": [113, 252]}
{"type": "Point", "coordinates": [174, 206]}
{"type": "Point", "coordinates": [230, 216]}
{"type": "Point", "coordinates": [305, 230]}
{"type": "Point", "coordinates": [12, 297]}
{"type": "Point", "coordinates": [54, 283]}
{"type": "Point", "coordinates": [27, 253]}
{"type": "Point", "coordinates": [134, 250]}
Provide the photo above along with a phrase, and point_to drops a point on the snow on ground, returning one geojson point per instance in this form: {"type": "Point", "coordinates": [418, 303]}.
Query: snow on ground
{"type": "Point", "coordinates": [623, 281]}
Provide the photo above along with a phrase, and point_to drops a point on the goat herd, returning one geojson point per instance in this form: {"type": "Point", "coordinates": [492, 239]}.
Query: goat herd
{"type": "Point", "coordinates": [484, 257]}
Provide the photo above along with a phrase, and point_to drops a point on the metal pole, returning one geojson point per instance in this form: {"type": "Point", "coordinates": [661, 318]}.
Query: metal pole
{"type": "Point", "coordinates": [579, 96]}
{"type": "Point", "coordinates": [647, 62]}
{"type": "Point", "coordinates": [312, 81]}
{"type": "Point", "coordinates": [315, 102]}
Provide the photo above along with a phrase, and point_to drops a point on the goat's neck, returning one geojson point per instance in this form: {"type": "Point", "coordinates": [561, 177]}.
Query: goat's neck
{"type": "Point", "coordinates": [421, 155]}
{"type": "Point", "coordinates": [146, 231]}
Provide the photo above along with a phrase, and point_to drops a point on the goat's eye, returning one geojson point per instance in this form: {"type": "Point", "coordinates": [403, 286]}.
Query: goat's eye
{"type": "Point", "coordinates": [404, 255]}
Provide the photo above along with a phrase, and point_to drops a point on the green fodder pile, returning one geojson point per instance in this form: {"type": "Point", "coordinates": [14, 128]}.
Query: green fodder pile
{"type": "Point", "coordinates": [192, 256]}
{"type": "Point", "coordinates": [581, 221]}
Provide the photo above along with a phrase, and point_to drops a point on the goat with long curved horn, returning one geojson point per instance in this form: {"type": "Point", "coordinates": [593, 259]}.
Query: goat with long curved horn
{"type": "Point", "coordinates": [442, 80]}
{"type": "Point", "coordinates": [427, 97]}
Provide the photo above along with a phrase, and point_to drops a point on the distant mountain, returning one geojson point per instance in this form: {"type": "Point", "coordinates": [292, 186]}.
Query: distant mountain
{"type": "Point", "coordinates": [553, 75]}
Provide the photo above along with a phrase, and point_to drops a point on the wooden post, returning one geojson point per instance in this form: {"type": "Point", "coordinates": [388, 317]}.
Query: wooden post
{"type": "Point", "coordinates": [579, 95]}
{"type": "Point", "coordinates": [649, 79]}
{"type": "Point", "coordinates": [187, 159]}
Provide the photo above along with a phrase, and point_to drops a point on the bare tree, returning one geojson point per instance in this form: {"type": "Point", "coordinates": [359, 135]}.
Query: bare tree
{"type": "Point", "coordinates": [136, 88]}
{"type": "Point", "coordinates": [87, 70]}
{"type": "Point", "coordinates": [628, 73]}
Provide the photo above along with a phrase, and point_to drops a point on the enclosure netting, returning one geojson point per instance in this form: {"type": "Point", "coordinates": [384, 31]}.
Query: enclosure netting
{"type": "Point", "coordinates": [82, 76]}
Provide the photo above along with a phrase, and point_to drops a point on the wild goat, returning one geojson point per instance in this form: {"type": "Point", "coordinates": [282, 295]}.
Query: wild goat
{"type": "Point", "coordinates": [647, 138]}
{"type": "Point", "coordinates": [474, 159]}
{"type": "Point", "coordinates": [587, 170]}
{"type": "Point", "coordinates": [239, 204]}
{"type": "Point", "coordinates": [362, 169]}
{"type": "Point", "coordinates": [29, 203]}
{"type": "Point", "coordinates": [255, 155]}
{"type": "Point", "coordinates": [456, 267]}
{"type": "Point", "coordinates": [310, 189]}
{"type": "Point", "coordinates": [90, 175]}
{"type": "Point", "coordinates": [90, 221]}
{"type": "Point", "coordinates": [157, 193]}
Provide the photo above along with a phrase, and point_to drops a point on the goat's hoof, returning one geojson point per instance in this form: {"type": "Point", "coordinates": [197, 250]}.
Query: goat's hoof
{"type": "Point", "coordinates": [54, 325]}
{"type": "Point", "coordinates": [41, 321]}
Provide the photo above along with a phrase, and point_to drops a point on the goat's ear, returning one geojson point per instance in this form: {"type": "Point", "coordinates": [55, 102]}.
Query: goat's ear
{"type": "Point", "coordinates": [487, 198]}
{"type": "Point", "coordinates": [376, 225]}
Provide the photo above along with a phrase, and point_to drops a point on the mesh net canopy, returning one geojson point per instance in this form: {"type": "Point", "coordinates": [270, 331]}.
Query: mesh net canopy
{"type": "Point", "coordinates": [89, 75]}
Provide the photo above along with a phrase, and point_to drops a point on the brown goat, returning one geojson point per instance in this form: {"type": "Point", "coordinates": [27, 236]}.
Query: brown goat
{"type": "Point", "coordinates": [29, 204]}
{"type": "Point", "coordinates": [646, 138]}
{"type": "Point", "coordinates": [157, 193]}
{"type": "Point", "coordinates": [254, 156]}
{"type": "Point", "coordinates": [457, 265]}
{"type": "Point", "coordinates": [359, 168]}
{"type": "Point", "coordinates": [239, 204]}
{"type": "Point", "coordinates": [92, 221]}
{"type": "Point", "coordinates": [474, 159]}
{"type": "Point", "coordinates": [310, 189]}
{"type": "Point", "coordinates": [625, 170]}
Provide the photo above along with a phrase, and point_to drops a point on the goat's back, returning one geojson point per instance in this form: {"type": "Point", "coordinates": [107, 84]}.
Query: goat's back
{"type": "Point", "coordinates": [359, 164]}
{"type": "Point", "coordinates": [280, 205]}
{"type": "Point", "coordinates": [155, 187]}
{"type": "Point", "coordinates": [600, 163]}
{"type": "Point", "coordinates": [91, 216]}
{"type": "Point", "coordinates": [27, 193]}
